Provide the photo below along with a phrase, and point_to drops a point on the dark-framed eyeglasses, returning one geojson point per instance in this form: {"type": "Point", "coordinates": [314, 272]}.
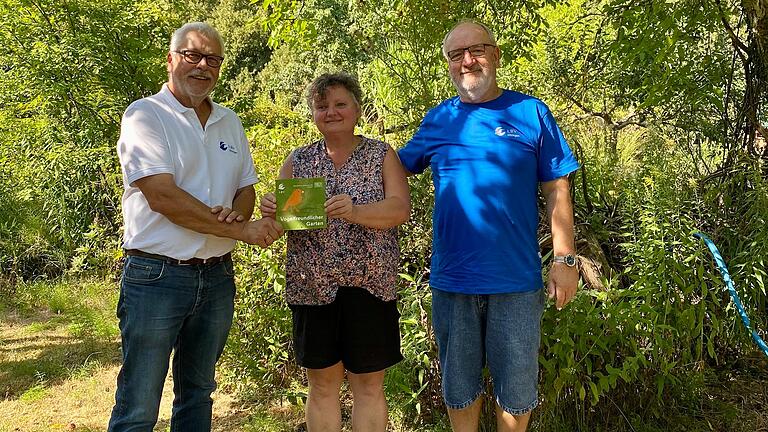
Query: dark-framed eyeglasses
{"type": "Point", "coordinates": [194, 57]}
{"type": "Point", "coordinates": [476, 51]}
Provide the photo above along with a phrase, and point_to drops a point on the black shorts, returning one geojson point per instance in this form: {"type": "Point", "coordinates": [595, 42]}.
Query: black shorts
{"type": "Point", "coordinates": [357, 328]}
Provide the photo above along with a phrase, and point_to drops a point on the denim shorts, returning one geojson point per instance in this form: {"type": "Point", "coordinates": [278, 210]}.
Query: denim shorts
{"type": "Point", "coordinates": [500, 331]}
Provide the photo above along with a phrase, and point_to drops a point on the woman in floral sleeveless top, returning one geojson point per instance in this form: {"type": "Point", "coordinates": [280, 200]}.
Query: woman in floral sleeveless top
{"type": "Point", "coordinates": [341, 280]}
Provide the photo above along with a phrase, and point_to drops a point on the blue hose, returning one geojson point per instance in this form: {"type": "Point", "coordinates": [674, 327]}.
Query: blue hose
{"type": "Point", "coordinates": [728, 282]}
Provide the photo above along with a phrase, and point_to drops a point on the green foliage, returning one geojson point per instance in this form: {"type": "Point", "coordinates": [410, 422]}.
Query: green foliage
{"type": "Point", "coordinates": [648, 94]}
{"type": "Point", "coordinates": [246, 51]}
{"type": "Point", "coordinates": [35, 393]}
{"type": "Point", "coordinates": [414, 383]}
{"type": "Point", "coordinates": [393, 46]}
{"type": "Point", "coordinates": [262, 325]}
{"type": "Point", "coordinates": [73, 68]}
{"type": "Point", "coordinates": [665, 315]}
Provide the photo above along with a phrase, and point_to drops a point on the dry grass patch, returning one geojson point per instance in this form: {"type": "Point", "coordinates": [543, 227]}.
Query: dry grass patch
{"type": "Point", "coordinates": [85, 403]}
{"type": "Point", "coordinates": [53, 378]}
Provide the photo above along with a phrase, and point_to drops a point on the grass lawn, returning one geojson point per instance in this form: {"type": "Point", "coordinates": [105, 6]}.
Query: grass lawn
{"type": "Point", "coordinates": [60, 355]}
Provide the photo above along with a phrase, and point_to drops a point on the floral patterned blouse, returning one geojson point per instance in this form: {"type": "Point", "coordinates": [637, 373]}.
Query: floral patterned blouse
{"type": "Point", "coordinates": [343, 254]}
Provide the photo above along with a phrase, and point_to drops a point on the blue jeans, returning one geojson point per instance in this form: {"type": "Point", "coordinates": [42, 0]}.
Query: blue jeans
{"type": "Point", "coordinates": [502, 331]}
{"type": "Point", "coordinates": [164, 307]}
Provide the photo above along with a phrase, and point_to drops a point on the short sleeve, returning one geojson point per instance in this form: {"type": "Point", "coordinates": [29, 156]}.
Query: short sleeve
{"type": "Point", "coordinates": [555, 156]}
{"type": "Point", "coordinates": [413, 155]}
{"type": "Point", "coordinates": [143, 146]}
{"type": "Point", "coordinates": [248, 174]}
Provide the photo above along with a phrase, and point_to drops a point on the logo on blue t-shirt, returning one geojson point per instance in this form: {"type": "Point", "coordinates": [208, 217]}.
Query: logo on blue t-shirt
{"type": "Point", "coordinates": [508, 131]}
{"type": "Point", "coordinates": [224, 146]}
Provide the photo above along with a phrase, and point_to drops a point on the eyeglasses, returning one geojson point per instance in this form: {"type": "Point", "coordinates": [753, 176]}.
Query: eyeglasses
{"type": "Point", "coordinates": [194, 57]}
{"type": "Point", "coordinates": [476, 51]}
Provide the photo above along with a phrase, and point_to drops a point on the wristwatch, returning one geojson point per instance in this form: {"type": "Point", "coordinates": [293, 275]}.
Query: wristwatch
{"type": "Point", "coordinates": [569, 260]}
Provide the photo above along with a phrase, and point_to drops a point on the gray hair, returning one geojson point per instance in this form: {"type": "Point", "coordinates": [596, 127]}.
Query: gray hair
{"type": "Point", "coordinates": [468, 21]}
{"type": "Point", "coordinates": [203, 28]}
{"type": "Point", "coordinates": [321, 84]}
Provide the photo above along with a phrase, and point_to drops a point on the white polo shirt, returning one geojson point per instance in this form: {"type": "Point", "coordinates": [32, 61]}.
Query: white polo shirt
{"type": "Point", "coordinates": [159, 135]}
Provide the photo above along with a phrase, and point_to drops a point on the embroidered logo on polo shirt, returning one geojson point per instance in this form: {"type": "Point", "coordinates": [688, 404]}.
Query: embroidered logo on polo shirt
{"type": "Point", "coordinates": [508, 131]}
{"type": "Point", "coordinates": [226, 147]}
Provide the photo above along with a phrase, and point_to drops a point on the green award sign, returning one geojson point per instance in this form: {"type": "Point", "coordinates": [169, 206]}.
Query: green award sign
{"type": "Point", "coordinates": [301, 203]}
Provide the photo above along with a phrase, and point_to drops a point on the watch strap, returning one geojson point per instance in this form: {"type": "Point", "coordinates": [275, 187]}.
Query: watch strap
{"type": "Point", "coordinates": [569, 260]}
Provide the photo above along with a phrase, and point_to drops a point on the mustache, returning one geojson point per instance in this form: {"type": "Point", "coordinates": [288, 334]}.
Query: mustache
{"type": "Point", "coordinates": [200, 75]}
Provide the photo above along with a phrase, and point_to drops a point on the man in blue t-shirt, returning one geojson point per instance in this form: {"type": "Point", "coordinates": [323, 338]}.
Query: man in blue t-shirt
{"type": "Point", "coordinates": [489, 150]}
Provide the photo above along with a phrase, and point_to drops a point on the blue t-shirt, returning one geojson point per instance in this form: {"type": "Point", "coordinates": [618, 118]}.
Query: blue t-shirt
{"type": "Point", "coordinates": [487, 161]}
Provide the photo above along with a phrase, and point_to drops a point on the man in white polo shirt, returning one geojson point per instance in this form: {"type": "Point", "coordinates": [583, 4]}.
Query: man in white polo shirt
{"type": "Point", "coordinates": [188, 178]}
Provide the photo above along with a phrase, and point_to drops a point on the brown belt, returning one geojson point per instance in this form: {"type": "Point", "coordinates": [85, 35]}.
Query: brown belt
{"type": "Point", "coordinates": [191, 261]}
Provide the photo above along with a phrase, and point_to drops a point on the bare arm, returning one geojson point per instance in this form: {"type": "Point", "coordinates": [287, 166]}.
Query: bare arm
{"type": "Point", "coordinates": [242, 206]}
{"type": "Point", "coordinates": [393, 210]}
{"type": "Point", "coordinates": [245, 199]}
{"type": "Point", "coordinates": [183, 209]}
{"type": "Point", "coordinates": [563, 280]}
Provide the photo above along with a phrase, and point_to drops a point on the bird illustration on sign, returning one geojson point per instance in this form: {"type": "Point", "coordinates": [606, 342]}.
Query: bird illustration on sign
{"type": "Point", "coordinates": [293, 201]}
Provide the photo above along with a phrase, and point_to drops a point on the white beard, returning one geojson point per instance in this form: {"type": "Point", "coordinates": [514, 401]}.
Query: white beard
{"type": "Point", "coordinates": [476, 88]}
